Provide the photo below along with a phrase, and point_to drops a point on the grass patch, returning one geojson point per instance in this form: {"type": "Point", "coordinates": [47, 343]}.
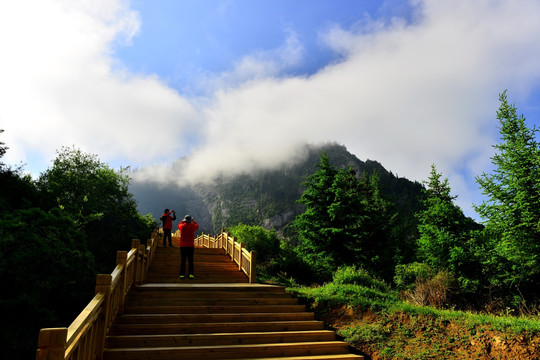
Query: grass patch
{"type": "Point", "coordinates": [348, 294]}
{"type": "Point", "coordinates": [364, 298]}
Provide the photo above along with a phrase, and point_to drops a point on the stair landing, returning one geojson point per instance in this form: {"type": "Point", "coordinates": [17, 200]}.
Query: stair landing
{"type": "Point", "coordinates": [211, 266]}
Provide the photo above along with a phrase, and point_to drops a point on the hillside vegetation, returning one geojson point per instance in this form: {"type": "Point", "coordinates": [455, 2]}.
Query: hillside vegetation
{"type": "Point", "coordinates": [378, 324]}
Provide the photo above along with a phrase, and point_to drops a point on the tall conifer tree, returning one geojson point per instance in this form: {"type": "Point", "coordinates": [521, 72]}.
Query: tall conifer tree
{"type": "Point", "coordinates": [512, 210]}
{"type": "Point", "coordinates": [346, 222]}
{"type": "Point", "coordinates": [441, 224]}
{"type": "Point", "coordinates": [313, 225]}
{"type": "Point", "coordinates": [447, 238]}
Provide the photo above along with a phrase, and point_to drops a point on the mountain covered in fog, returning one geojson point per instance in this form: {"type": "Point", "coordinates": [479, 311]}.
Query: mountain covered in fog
{"type": "Point", "coordinates": [268, 198]}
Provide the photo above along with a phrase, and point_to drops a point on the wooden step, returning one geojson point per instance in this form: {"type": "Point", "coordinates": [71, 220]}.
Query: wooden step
{"type": "Point", "coordinates": [205, 294]}
{"type": "Point", "coordinates": [211, 266]}
{"type": "Point", "coordinates": [213, 287]}
{"type": "Point", "coordinates": [208, 295]}
{"type": "Point", "coordinates": [197, 257]}
{"type": "Point", "coordinates": [201, 278]}
{"type": "Point", "coordinates": [178, 309]}
{"type": "Point", "coordinates": [207, 328]}
{"type": "Point", "coordinates": [212, 318]}
{"type": "Point", "coordinates": [219, 338]}
{"type": "Point", "coordinates": [212, 302]}
{"type": "Point", "coordinates": [228, 351]}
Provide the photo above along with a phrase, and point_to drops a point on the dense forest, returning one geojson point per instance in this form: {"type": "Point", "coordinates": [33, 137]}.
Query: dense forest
{"type": "Point", "coordinates": [330, 218]}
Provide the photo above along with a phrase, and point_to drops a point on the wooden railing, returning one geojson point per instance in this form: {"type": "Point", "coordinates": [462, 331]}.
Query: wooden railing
{"type": "Point", "coordinates": [85, 337]}
{"type": "Point", "coordinates": [245, 259]}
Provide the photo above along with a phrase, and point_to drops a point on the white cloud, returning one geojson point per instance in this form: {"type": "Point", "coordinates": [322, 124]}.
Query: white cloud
{"type": "Point", "coordinates": [260, 65]}
{"type": "Point", "coordinates": [61, 86]}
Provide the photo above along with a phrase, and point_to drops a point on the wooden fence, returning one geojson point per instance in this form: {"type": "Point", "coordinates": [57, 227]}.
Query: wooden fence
{"type": "Point", "coordinates": [246, 260]}
{"type": "Point", "coordinates": [85, 337]}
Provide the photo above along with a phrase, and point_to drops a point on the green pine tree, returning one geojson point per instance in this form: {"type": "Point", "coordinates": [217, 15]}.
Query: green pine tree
{"type": "Point", "coordinates": [313, 227]}
{"type": "Point", "coordinates": [512, 209]}
{"type": "Point", "coordinates": [446, 241]}
{"type": "Point", "coordinates": [346, 222]}
{"type": "Point", "coordinates": [438, 224]}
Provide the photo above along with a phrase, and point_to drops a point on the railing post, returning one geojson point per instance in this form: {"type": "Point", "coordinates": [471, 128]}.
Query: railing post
{"type": "Point", "coordinates": [140, 252]}
{"type": "Point", "coordinates": [253, 267]}
{"type": "Point", "coordinates": [150, 243]}
{"type": "Point", "coordinates": [146, 264]}
{"type": "Point", "coordinates": [221, 238]}
{"type": "Point", "coordinates": [52, 344]}
{"type": "Point", "coordinates": [135, 245]}
{"type": "Point", "coordinates": [103, 285]}
{"type": "Point", "coordinates": [121, 259]}
{"type": "Point", "coordinates": [240, 255]}
{"type": "Point", "coordinates": [232, 245]}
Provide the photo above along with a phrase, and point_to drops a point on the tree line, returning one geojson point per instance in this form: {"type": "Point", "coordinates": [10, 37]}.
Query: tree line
{"type": "Point", "coordinates": [56, 233]}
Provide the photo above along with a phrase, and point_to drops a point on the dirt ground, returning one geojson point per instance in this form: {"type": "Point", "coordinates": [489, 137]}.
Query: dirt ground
{"type": "Point", "coordinates": [402, 336]}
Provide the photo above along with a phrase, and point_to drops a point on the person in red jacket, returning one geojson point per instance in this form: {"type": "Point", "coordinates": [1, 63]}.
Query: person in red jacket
{"type": "Point", "coordinates": [167, 219]}
{"type": "Point", "coordinates": [187, 228]}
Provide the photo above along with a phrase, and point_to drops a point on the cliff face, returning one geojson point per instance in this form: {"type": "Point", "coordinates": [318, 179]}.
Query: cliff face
{"type": "Point", "coordinates": [266, 198]}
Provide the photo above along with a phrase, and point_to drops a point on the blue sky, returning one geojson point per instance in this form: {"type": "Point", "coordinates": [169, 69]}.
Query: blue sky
{"type": "Point", "coordinates": [184, 40]}
{"type": "Point", "coordinates": [242, 85]}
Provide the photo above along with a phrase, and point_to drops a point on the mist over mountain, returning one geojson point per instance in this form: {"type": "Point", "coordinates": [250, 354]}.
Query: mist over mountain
{"type": "Point", "coordinates": [266, 197]}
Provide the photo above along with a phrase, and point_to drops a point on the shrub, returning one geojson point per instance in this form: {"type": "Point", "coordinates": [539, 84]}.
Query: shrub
{"type": "Point", "coordinates": [433, 292]}
{"type": "Point", "coordinates": [408, 275]}
{"type": "Point", "coordinates": [358, 276]}
{"type": "Point", "coordinates": [264, 242]}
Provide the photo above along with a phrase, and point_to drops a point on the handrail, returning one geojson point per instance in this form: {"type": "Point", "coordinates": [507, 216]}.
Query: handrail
{"type": "Point", "coordinates": [245, 259]}
{"type": "Point", "coordinates": [85, 337]}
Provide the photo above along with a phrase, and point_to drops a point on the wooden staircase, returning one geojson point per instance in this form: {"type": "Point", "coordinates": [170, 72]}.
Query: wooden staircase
{"type": "Point", "coordinates": [217, 315]}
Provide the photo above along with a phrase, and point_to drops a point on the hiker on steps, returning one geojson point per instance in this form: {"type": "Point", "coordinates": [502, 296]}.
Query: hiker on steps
{"type": "Point", "coordinates": [187, 228]}
{"type": "Point", "coordinates": [167, 220]}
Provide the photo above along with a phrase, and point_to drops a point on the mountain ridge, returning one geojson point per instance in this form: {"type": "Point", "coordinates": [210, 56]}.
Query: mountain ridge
{"type": "Point", "coordinates": [269, 197]}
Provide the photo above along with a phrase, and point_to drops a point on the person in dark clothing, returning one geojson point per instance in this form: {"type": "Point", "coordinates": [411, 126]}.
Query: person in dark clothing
{"type": "Point", "coordinates": [187, 228]}
{"type": "Point", "coordinates": [167, 220]}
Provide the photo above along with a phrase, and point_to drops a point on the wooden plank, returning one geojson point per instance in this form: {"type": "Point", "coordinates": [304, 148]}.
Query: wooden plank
{"type": "Point", "coordinates": [211, 302]}
{"type": "Point", "coordinates": [204, 294]}
{"type": "Point", "coordinates": [219, 339]}
{"type": "Point", "coordinates": [229, 352]}
{"type": "Point", "coordinates": [177, 309]}
{"type": "Point", "coordinates": [212, 318]}
{"type": "Point", "coordinates": [206, 328]}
